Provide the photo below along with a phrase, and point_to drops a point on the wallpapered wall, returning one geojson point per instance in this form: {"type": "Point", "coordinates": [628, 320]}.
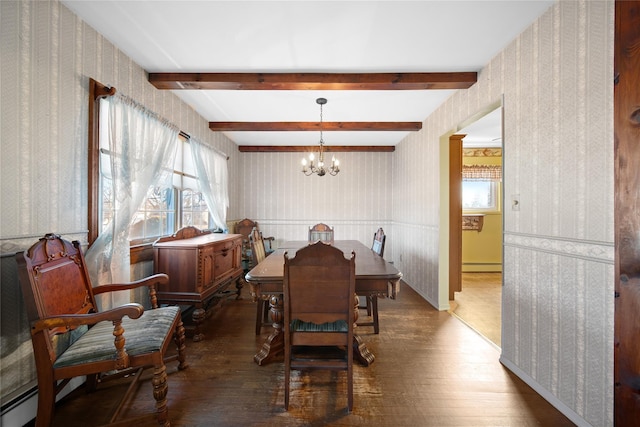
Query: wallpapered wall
{"type": "Point", "coordinates": [48, 55]}
{"type": "Point", "coordinates": [285, 202]}
{"type": "Point", "coordinates": [557, 82]}
{"type": "Point", "coordinates": [556, 79]}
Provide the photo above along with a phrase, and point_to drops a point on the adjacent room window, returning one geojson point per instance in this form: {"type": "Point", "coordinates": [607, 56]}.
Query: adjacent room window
{"type": "Point", "coordinates": [481, 188]}
{"type": "Point", "coordinates": [479, 195]}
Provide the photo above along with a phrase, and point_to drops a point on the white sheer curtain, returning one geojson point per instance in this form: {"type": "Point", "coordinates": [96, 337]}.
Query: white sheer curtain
{"type": "Point", "coordinates": [142, 149]}
{"type": "Point", "coordinates": [213, 177]}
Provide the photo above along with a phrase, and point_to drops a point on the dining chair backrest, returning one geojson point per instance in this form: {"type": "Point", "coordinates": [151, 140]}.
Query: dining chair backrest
{"type": "Point", "coordinates": [321, 232]}
{"type": "Point", "coordinates": [258, 252]}
{"type": "Point", "coordinates": [319, 304]}
{"type": "Point", "coordinates": [379, 239]}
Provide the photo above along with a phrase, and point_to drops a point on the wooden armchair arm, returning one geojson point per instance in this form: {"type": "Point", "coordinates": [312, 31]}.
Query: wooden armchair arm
{"type": "Point", "coordinates": [150, 281]}
{"type": "Point", "coordinates": [133, 310]}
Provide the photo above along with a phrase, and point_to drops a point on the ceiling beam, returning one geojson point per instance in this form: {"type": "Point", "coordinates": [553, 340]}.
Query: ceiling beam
{"type": "Point", "coordinates": [314, 148]}
{"type": "Point", "coordinates": [314, 126]}
{"type": "Point", "coordinates": [313, 81]}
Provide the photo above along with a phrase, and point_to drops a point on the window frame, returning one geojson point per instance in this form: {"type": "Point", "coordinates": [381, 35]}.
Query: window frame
{"type": "Point", "coordinates": [496, 189]}
{"type": "Point", "coordinates": [141, 248]}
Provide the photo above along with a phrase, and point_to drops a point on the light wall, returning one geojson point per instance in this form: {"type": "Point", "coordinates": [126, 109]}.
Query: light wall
{"type": "Point", "coordinates": [556, 82]}
{"type": "Point", "coordinates": [556, 79]}
{"type": "Point", "coordinates": [285, 202]}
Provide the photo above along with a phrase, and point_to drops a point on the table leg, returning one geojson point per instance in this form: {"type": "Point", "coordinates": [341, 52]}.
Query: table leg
{"type": "Point", "coordinates": [360, 351]}
{"type": "Point", "coordinates": [273, 347]}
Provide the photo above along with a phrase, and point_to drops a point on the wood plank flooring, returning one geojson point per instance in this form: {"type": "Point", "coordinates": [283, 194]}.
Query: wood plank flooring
{"type": "Point", "coordinates": [479, 304]}
{"type": "Point", "coordinates": [430, 370]}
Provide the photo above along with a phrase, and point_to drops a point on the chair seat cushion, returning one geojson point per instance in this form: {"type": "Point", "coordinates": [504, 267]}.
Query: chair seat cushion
{"type": "Point", "coordinates": [143, 335]}
{"type": "Point", "coordinates": [337, 326]}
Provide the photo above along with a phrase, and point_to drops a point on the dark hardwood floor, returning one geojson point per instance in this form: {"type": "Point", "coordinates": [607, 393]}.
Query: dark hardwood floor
{"type": "Point", "coordinates": [430, 370]}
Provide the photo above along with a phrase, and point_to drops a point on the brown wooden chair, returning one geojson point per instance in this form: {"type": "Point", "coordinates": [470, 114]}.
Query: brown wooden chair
{"type": "Point", "coordinates": [371, 305]}
{"type": "Point", "coordinates": [245, 227]}
{"type": "Point", "coordinates": [319, 305]}
{"type": "Point", "coordinates": [321, 232]}
{"type": "Point", "coordinates": [72, 338]}
{"type": "Point", "coordinates": [379, 239]}
{"type": "Point", "coordinates": [258, 253]}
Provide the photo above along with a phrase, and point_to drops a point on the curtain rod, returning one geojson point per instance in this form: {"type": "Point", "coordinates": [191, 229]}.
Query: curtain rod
{"type": "Point", "coordinates": [106, 91]}
{"type": "Point", "coordinates": [222, 153]}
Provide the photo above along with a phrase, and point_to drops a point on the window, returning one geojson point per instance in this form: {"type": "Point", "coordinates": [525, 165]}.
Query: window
{"type": "Point", "coordinates": [168, 206]}
{"type": "Point", "coordinates": [480, 196]}
{"type": "Point", "coordinates": [481, 188]}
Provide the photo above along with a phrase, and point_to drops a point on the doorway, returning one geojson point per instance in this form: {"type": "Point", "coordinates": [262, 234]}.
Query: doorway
{"type": "Point", "coordinates": [476, 208]}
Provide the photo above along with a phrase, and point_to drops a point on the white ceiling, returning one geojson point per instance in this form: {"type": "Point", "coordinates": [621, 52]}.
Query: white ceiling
{"type": "Point", "coordinates": [311, 36]}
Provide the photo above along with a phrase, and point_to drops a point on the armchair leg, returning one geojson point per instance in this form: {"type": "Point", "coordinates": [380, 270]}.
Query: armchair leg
{"type": "Point", "coordinates": [160, 389]}
{"type": "Point", "coordinates": [179, 339]}
{"type": "Point", "coordinates": [46, 403]}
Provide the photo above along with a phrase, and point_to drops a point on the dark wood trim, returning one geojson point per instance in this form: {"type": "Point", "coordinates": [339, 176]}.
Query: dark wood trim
{"type": "Point", "coordinates": [314, 148]}
{"type": "Point", "coordinates": [313, 81]}
{"type": "Point", "coordinates": [96, 91]}
{"type": "Point", "coordinates": [627, 213]}
{"type": "Point", "coordinates": [314, 126]}
{"type": "Point", "coordinates": [455, 215]}
{"type": "Point", "coordinates": [141, 253]}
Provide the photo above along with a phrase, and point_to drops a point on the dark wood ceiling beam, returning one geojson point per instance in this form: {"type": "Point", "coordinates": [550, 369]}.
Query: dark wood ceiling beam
{"type": "Point", "coordinates": [314, 148]}
{"type": "Point", "coordinates": [314, 126]}
{"type": "Point", "coordinates": [313, 81]}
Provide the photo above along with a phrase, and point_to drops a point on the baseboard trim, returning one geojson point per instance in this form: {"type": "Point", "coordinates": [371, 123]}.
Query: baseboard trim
{"type": "Point", "coordinates": [24, 409]}
{"type": "Point", "coordinates": [553, 400]}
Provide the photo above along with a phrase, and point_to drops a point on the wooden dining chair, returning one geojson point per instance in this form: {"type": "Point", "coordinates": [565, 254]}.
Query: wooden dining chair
{"type": "Point", "coordinates": [71, 338]}
{"type": "Point", "coordinates": [259, 253]}
{"type": "Point", "coordinates": [319, 292]}
{"type": "Point", "coordinates": [245, 227]}
{"type": "Point", "coordinates": [371, 301]}
{"type": "Point", "coordinates": [379, 239]}
{"type": "Point", "coordinates": [321, 232]}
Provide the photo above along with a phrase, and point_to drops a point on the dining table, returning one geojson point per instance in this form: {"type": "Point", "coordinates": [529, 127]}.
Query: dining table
{"type": "Point", "coordinates": [374, 276]}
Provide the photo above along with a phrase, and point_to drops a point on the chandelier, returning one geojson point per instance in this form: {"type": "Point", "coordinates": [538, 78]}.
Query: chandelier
{"type": "Point", "coordinates": [320, 169]}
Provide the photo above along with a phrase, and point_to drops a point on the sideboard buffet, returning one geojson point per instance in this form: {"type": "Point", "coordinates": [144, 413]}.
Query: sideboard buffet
{"type": "Point", "coordinates": [201, 266]}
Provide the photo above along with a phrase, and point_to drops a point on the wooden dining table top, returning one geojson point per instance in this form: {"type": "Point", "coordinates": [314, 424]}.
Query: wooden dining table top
{"type": "Point", "coordinates": [369, 265]}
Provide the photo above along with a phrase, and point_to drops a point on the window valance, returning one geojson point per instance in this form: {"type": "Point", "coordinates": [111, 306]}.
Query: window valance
{"type": "Point", "coordinates": [481, 172]}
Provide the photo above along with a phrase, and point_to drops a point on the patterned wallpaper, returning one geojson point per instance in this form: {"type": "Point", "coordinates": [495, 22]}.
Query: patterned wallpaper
{"type": "Point", "coordinates": [285, 202]}
{"type": "Point", "coordinates": [558, 156]}
{"type": "Point", "coordinates": [48, 56]}
{"type": "Point", "coordinates": [557, 314]}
